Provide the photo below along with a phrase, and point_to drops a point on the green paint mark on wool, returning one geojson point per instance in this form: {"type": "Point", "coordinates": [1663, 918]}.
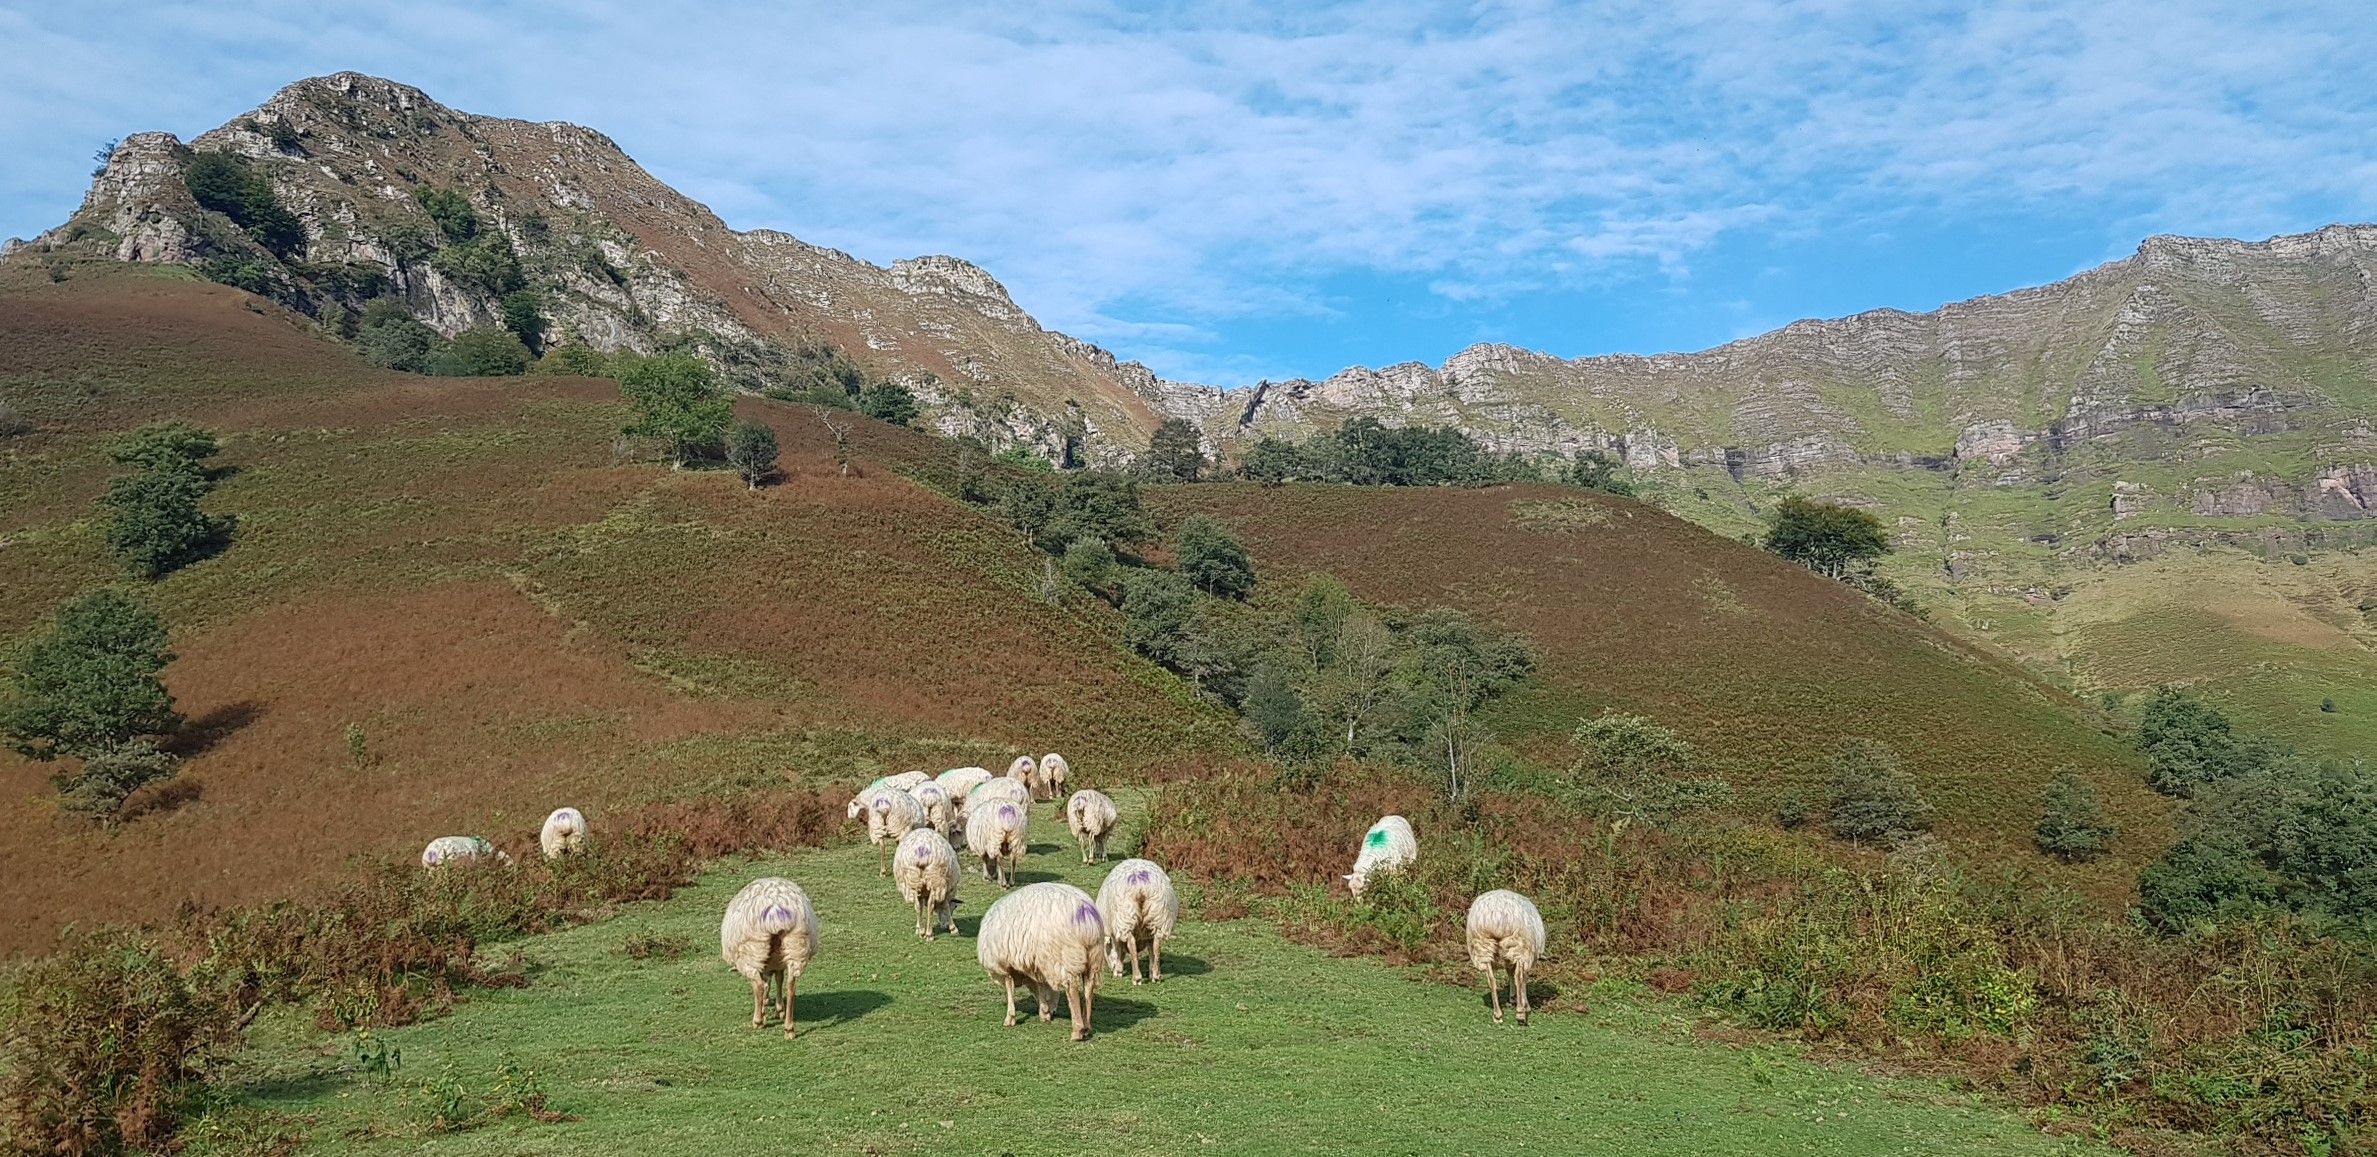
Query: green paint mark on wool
{"type": "Point", "coordinates": [1377, 838]}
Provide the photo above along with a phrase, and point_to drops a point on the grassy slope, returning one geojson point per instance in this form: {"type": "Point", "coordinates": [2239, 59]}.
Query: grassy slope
{"type": "Point", "coordinates": [1252, 1045]}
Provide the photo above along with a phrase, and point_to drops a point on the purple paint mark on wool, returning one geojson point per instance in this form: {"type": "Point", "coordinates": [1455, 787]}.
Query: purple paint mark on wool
{"type": "Point", "coordinates": [1140, 876]}
{"type": "Point", "coordinates": [433, 856]}
{"type": "Point", "coordinates": [1007, 812]}
{"type": "Point", "coordinates": [883, 804]}
{"type": "Point", "coordinates": [1086, 914]}
{"type": "Point", "coordinates": [777, 912]}
{"type": "Point", "coordinates": [923, 853]}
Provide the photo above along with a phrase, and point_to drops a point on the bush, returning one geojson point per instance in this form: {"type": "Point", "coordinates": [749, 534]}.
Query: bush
{"type": "Point", "coordinates": [1156, 605]}
{"type": "Point", "coordinates": [451, 211]}
{"type": "Point", "coordinates": [107, 1045]}
{"type": "Point", "coordinates": [98, 788]}
{"type": "Point", "coordinates": [13, 423]}
{"type": "Point", "coordinates": [675, 397]}
{"type": "Point", "coordinates": [161, 444]}
{"type": "Point", "coordinates": [574, 359]}
{"type": "Point", "coordinates": [89, 684]}
{"type": "Point", "coordinates": [1175, 453]}
{"type": "Point", "coordinates": [486, 352]}
{"type": "Point", "coordinates": [154, 521]}
{"type": "Point", "coordinates": [888, 402]}
{"type": "Point", "coordinates": [1274, 462]}
{"type": "Point", "coordinates": [1090, 563]}
{"type": "Point", "coordinates": [2189, 744]}
{"type": "Point", "coordinates": [1873, 798]}
{"type": "Point", "coordinates": [241, 271]}
{"type": "Point", "coordinates": [1594, 470]}
{"type": "Point", "coordinates": [2073, 826]}
{"type": "Point", "coordinates": [1212, 559]}
{"type": "Point", "coordinates": [390, 336]}
{"type": "Point", "coordinates": [751, 450]}
{"type": "Point", "coordinates": [228, 184]}
{"type": "Point", "coordinates": [487, 264]}
{"type": "Point", "coordinates": [524, 315]}
{"type": "Point", "coordinates": [1092, 504]}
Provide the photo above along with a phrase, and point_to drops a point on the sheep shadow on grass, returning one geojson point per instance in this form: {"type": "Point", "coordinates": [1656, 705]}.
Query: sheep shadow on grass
{"type": "Point", "coordinates": [1181, 964]}
{"type": "Point", "coordinates": [821, 1010]}
{"type": "Point", "coordinates": [1539, 994]}
{"type": "Point", "coordinates": [1023, 876]}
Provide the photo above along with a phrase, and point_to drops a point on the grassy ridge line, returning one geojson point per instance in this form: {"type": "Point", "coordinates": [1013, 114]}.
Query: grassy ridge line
{"type": "Point", "coordinates": [1254, 1045]}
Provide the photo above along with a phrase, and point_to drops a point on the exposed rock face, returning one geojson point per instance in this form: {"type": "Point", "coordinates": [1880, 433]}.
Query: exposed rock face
{"type": "Point", "coordinates": [619, 259]}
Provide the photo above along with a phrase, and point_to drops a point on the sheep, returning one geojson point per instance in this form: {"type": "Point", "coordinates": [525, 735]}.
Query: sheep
{"type": "Point", "coordinates": [891, 814]}
{"type": "Point", "coordinates": [957, 781]}
{"type": "Point", "coordinates": [1091, 815]}
{"type": "Point", "coordinates": [1505, 928]}
{"type": "Point", "coordinates": [460, 850]}
{"type": "Point", "coordinates": [1139, 907]}
{"type": "Point", "coordinates": [1053, 769]}
{"type": "Point", "coordinates": [998, 832]}
{"type": "Point", "coordinates": [1386, 847]}
{"type": "Point", "coordinates": [1048, 936]}
{"type": "Point", "coordinates": [925, 869]}
{"type": "Point", "coordinates": [770, 933]}
{"type": "Point", "coordinates": [905, 781]}
{"type": "Point", "coordinates": [1027, 772]}
{"type": "Point", "coordinates": [939, 811]}
{"type": "Point", "coordinates": [564, 833]}
{"type": "Point", "coordinates": [994, 791]}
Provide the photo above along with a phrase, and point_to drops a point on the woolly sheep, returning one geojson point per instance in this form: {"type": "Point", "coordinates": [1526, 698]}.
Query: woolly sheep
{"type": "Point", "coordinates": [1091, 815]}
{"type": "Point", "coordinates": [1053, 770]}
{"type": "Point", "coordinates": [995, 791]}
{"type": "Point", "coordinates": [1387, 846]}
{"type": "Point", "coordinates": [957, 781]}
{"type": "Point", "coordinates": [926, 872]}
{"type": "Point", "coordinates": [770, 933]}
{"type": "Point", "coordinates": [1047, 936]}
{"type": "Point", "coordinates": [1026, 771]}
{"type": "Point", "coordinates": [564, 833]}
{"type": "Point", "coordinates": [905, 781]}
{"type": "Point", "coordinates": [999, 832]}
{"type": "Point", "coordinates": [1139, 907]}
{"type": "Point", "coordinates": [460, 850]}
{"type": "Point", "coordinates": [891, 814]}
{"type": "Point", "coordinates": [939, 812]}
{"type": "Point", "coordinates": [1505, 928]}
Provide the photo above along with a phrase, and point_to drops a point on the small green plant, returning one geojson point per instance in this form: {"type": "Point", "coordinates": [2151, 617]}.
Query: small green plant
{"type": "Point", "coordinates": [374, 1057]}
{"type": "Point", "coordinates": [646, 946]}
{"type": "Point", "coordinates": [2328, 706]}
{"type": "Point", "coordinates": [2073, 826]}
{"type": "Point", "coordinates": [358, 746]}
{"type": "Point", "coordinates": [99, 787]}
{"type": "Point", "coordinates": [751, 450]}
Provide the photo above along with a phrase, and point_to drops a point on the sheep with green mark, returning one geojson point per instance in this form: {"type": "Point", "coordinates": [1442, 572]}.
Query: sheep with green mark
{"type": "Point", "coordinates": [1389, 846]}
{"type": "Point", "coordinates": [957, 781]}
{"type": "Point", "coordinates": [448, 851]}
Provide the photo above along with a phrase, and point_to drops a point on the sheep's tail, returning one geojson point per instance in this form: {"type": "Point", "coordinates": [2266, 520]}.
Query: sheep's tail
{"type": "Point", "coordinates": [777, 920]}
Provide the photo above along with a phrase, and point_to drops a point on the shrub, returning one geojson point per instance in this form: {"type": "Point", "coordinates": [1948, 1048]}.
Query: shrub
{"type": "Point", "coordinates": [1629, 766]}
{"type": "Point", "coordinates": [2188, 744]}
{"type": "Point", "coordinates": [107, 1044]}
{"type": "Point", "coordinates": [524, 315]}
{"type": "Point", "coordinates": [89, 684]}
{"type": "Point", "coordinates": [390, 336]}
{"type": "Point", "coordinates": [1212, 559]}
{"type": "Point", "coordinates": [1274, 462]}
{"type": "Point", "coordinates": [574, 359]}
{"type": "Point", "coordinates": [1156, 605]}
{"type": "Point", "coordinates": [888, 402]}
{"type": "Point", "coordinates": [13, 423]}
{"type": "Point", "coordinates": [164, 444]}
{"type": "Point", "coordinates": [450, 211]}
{"type": "Point", "coordinates": [1594, 470]}
{"type": "Point", "coordinates": [1175, 453]}
{"type": "Point", "coordinates": [1029, 504]}
{"type": "Point", "coordinates": [154, 522]}
{"type": "Point", "coordinates": [241, 271]}
{"type": "Point", "coordinates": [98, 788]}
{"type": "Point", "coordinates": [487, 264]}
{"type": "Point", "coordinates": [1091, 504]}
{"type": "Point", "coordinates": [751, 450]}
{"type": "Point", "coordinates": [1873, 798]}
{"type": "Point", "coordinates": [2073, 826]}
{"type": "Point", "coordinates": [486, 352]}
{"type": "Point", "coordinates": [228, 184]}
{"type": "Point", "coordinates": [1823, 536]}
{"type": "Point", "coordinates": [675, 397]}
{"type": "Point", "coordinates": [1090, 563]}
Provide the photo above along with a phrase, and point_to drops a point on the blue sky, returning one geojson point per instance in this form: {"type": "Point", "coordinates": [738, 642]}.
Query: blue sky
{"type": "Point", "coordinates": [1233, 191]}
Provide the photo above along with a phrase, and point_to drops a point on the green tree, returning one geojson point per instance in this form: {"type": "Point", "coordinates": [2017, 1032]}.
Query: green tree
{"type": "Point", "coordinates": [1175, 453]}
{"type": "Point", "coordinates": [2072, 824]}
{"type": "Point", "coordinates": [1090, 563]}
{"type": "Point", "coordinates": [751, 450]}
{"type": "Point", "coordinates": [1874, 800]}
{"type": "Point", "coordinates": [524, 315]}
{"type": "Point", "coordinates": [230, 185]}
{"type": "Point", "coordinates": [1029, 504]}
{"type": "Point", "coordinates": [1156, 605]}
{"type": "Point", "coordinates": [2189, 744]}
{"type": "Point", "coordinates": [676, 397]}
{"type": "Point", "coordinates": [154, 522]}
{"type": "Point", "coordinates": [90, 682]}
{"type": "Point", "coordinates": [488, 264]}
{"type": "Point", "coordinates": [390, 336]}
{"type": "Point", "coordinates": [1823, 536]}
{"type": "Point", "coordinates": [485, 352]}
{"type": "Point", "coordinates": [99, 787]}
{"type": "Point", "coordinates": [1094, 504]}
{"type": "Point", "coordinates": [164, 444]}
{"type": "Point", "coordinates": [1274, 706]}
{"type": "Point", "coordinates": [1594, 470]}
{"type": "Point", "coordinates": [888, 402]}
{"type": "Point", "coordinates": [574, 359]}
{"type": "Point", "coordinates": [1273, 462]}
{"type": "Point", "coordinates": [451, 211]}
{"type": "Point", "coordinates": [1212, 559]}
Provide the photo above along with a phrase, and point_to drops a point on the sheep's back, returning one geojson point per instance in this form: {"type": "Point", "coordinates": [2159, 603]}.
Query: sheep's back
{"type": "Point", "coordinates": [1091, 813]}
{"type": "Point", "coordinates": [1047, 933]}
{"type": "Point", "coordinates": [1137, 900]}
{"type": "Point", "coordinates": [925, 864]}
{"type": "Point", "coordinates": [765, 908]}
{"type": "Point", "coordinates": [1504, 924]}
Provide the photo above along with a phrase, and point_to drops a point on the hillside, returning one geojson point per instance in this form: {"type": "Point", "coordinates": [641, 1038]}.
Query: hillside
{"type": "Point", "coordinates": [459, 568]}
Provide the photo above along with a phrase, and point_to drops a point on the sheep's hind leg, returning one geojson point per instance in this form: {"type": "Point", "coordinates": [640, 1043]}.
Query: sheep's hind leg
{"type": "Point", "coordinates": [1045, 997]}
{"type": "Point", "coordinates": [1136, 975]}
{"type": "Point", "coordinates": [1155, 957]}
{"type": "Point", "coordinates": [790, 982]}
{"type": "Point", "coordinates": [1494, 986]}
{"type": "Point", "coordinates": [1010, 1002]}
{"type": "Point", "coordinates": [1518, 984]}
{"type": "Point", "coordinates": [759, 1001]}
{"type": "Point", "coordinates": [923, 927]}
{"type": "Point", "coordinates": [1079, 1008]}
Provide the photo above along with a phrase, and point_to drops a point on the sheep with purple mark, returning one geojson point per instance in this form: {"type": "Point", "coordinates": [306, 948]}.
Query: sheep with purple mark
{"type": "Point", "coordinates": [1504, 928]}
{"type": "Point", "coordinates": [1052, 773]}
{"type": "Point", "coordinates": [994, 791]}
{"type": "Point", "coordinates": [940, 812]}
{"type": "Point", "coordinates": [769, 935]}
{"type": "Point", "coordinates": [905, 781]}
{"type": "Point", "coordinates": [1140, 908]}
{"type": "Point", "coordinates": [926, 872]}
{"type": "Point", "coordinates": [1092, 816]}
{"type": "Point", "coordinates": [564, 833]}
{"type": "Point", "coordinates": [957, 781]}
{"type": "Point", "coordinates": [447, 851]}
{"type": "Point", "coordinates": [891, 813]}
{"type": "Point", "coordinates": [998, 832]}
{"type": "Point", "coordinates": [1388, 846]}
{"type": "Point", "coordinates": [1026, 771]}
{"type": "Point", "coordinates": [1047, 936]}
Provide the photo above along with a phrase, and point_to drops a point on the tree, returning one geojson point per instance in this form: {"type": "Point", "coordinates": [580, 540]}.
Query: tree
{"type": "Point", "coordinates": [1156, 605]}
{"type": "Point", "coordinates": [888, 402]}
{"type": "Point", "coordinates": [2188, 744]}
{"type": "Point", "coordinates": [1629, 766]}
{"type": "Point", "coordinates": [1094, 504]}
{"type": "Point", "coordinates": [2072, 825]}
{"type": "Point", "coordinates": [90, 683]}
{"type": "Point", "coordinates": [675, 397]}
{"type": "Point", "coordinates": [1273, 462]}
{"type": "Point", "coordinates": [1089, 563]}
{"type": "Point", "coordinates": [164, 444]}
{"type": "Point", "coordinates": [1212, 559]}
{"type": "Point", "coordinates": [524, 315]}
{"type": "Point", "coordinates": [839, 429]}
{"type": "Point", "coordinates": [99, 787]}
{"type": "Point", "coordinates": [390, 336]}
{"type": "Point", "coordinates": [574, 359]}
{"type": "Point", "coordinates": [1029, 503]}
{"type": "Point", "coordinates": [154, 522]}
{"type": "Point", "coordinates": [1873, 798]}
{"type": "Point", "coordinates": [485, 352]}
{"type": "Point", "coordinates": [1175, 453]}
{"type": "Point", "coordinates": [1823, 536]}
{"type": "Point", "coordinates": [230, 185]}
{"type": "Point", "coordinates": [1594, 470]}
{"type": "Point", "coordinates": [1273, 705]}
{"type": "Point", "coordinates": [751, 450]}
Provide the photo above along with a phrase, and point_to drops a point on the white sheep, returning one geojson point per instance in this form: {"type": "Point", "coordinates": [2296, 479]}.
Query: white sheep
{"type": "Point", "coordinates": [564, 833]}
{"type": "Point", "coordinates": [999, 832]}
{"type": "Point", "coordinates": [770, 933]}
{"type": "Point", "coordinates": [1047, 936]}
{"type": "Point", "coordinates": [905, 781]}
{"type": "Point", "coordinates": [1139, 907]}
{"type": "Point", "coordinates": [1505, 928]}
{"type": "Point", "coordinates": [1053, 770]}
{"type": "Point", "coordinates": [994, 791]}
{"type": "Point", "coordinates": [1091, 815]}
{"type": "Point", "coordinates": [1388, 846]}
{"type": "Point", "coordinates": [957, 781]}
{"type": "Point", "coordinates": [446, 850]}
{"type": "Point", "coordinates": [1026, 771]}
{"type": "Point", "coordinates": [891, 814]}
{"type": "Point", "coordinates": [939, 810]}
{"type": "Point", "coordinates": [926, 872]}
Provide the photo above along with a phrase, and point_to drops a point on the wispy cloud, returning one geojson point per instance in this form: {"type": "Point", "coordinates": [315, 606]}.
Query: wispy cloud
{"type": "Point", "coordinates": [1149, 174]}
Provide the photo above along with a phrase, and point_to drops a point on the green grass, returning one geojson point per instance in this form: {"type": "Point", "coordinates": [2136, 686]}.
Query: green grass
{"type": "Point", "coordinates": [1252, 1044]}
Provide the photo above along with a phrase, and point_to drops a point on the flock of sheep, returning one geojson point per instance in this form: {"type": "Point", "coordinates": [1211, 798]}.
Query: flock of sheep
{"type": "Point", "coordinates": [1045, 936]}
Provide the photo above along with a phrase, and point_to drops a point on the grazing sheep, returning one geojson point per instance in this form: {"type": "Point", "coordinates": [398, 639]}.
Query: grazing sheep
{"type": "Point", "coordinates": [957, 781]}
{"type": "Point", "coordinates": [905, 781]}
{"type": "Point", "coordinates": [1047, 936]}
{"type": "Point", "coordinates": [939, 812]}
{"type": "Point", "coordinates": [1139, 907]}
{"type": "Point", "coordinates": [1386, 847]}
{"type": "Point", "coordinates": [769, 933]}
{"type": "Point", "coordinates": [1091, 815]}
{"type": "Point", "coordinates": [564, 834]}
{"type": "Point", "coordinates": [1053, 770]}
{"type": "Point", "coordinates": [994, 791]}
{"type": "Point", "coordinates": [925, 869]}
{"type": "Point", "coordinates": [891, 814]}
{"type": "Point", "coordinates": [1505, 928]}
{"type": "Point", "coordinates": [998, 832]}
{"type": "Point", "coordinates": [1027, 772]}
{"type": "Point", "coordinates": [460, 850]}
